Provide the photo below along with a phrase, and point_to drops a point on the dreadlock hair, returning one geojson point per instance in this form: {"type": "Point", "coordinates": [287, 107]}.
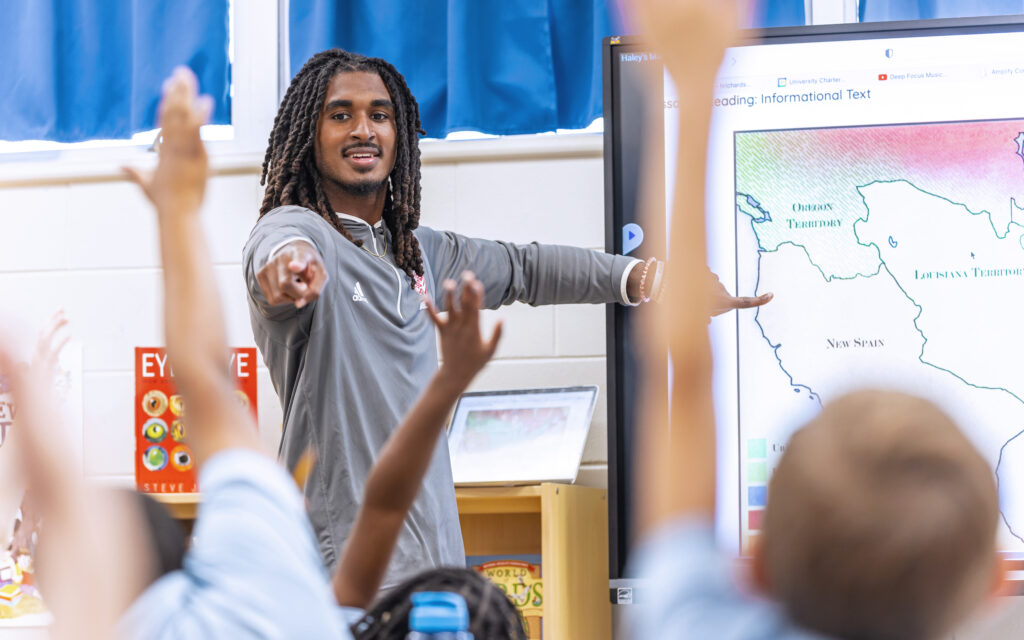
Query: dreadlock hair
{"type": "Point", "coordinates": [289, 167]}
{"type": "Point", "coordinates": [492, 616]}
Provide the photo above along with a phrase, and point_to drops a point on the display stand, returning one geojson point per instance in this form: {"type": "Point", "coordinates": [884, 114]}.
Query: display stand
{"type": "Point", "coordinates": [568, 526]}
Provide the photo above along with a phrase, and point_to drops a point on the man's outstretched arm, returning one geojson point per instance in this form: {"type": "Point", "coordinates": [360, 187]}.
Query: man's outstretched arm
{"type": "Point", "coordinates": [398, 473]}
{"type": "Point", "coordinates": [540, 274]}
{"type": "Point", "coordinates": [193, 322]}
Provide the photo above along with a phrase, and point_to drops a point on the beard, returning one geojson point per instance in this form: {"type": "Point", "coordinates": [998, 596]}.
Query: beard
{"type": "Point", "coordinates": [362, 187]}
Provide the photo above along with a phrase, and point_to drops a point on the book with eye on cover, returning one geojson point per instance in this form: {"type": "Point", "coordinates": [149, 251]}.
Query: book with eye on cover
{"type": "Point", "coordinates": [163, 459]}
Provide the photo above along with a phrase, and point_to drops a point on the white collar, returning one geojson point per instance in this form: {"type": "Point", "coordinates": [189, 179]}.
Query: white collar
{"type": "Point", "coordinates": [345, 216]}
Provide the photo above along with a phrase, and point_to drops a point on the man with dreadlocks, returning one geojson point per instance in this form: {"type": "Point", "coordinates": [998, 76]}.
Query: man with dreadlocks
{"type": "Point", "coordinates": [336, 268]}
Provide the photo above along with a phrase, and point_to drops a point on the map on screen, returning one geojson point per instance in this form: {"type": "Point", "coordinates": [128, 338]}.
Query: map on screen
{"type": "Point", "coordinates": [904, 264]}
{"type": "Point", "coordinates": [876, 187]}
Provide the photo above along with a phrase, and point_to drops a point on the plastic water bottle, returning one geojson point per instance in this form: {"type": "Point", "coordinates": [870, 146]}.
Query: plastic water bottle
{"type": "Point", "coordinates": [438, 615]}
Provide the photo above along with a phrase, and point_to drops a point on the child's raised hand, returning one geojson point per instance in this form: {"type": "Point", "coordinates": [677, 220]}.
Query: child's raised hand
{"type": "Point", "coordinates": [463, 350]}
{"type": "Point", "coordinates": [689, 33]}
{"type": "Point", "coordinates": [49, 345]}
{"type": "Point", "coordinates": [179, 181]}
{"type": "Point", "coordinates": [84, 590]}
{"type": "Point", "coordinates": [34, 392]}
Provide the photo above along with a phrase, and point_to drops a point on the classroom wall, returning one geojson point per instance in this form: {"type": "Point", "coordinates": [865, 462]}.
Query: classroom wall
{"type": "Point", "coordinates": [91, 248]}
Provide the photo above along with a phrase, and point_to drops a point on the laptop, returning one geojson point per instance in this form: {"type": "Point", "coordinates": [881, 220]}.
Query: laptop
{"type": "Point", "coordinates": [521, 436]}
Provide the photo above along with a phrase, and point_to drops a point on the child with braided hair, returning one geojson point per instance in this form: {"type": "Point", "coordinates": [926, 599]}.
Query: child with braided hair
{"type": "Point", "coordinates": [492, 616]}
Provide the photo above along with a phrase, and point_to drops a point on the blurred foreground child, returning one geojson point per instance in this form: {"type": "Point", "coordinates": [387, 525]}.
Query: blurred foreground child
{"type": "Point", "coordinates": [255, 570]}
{"type": "Point", "coordinates": [881, 520]}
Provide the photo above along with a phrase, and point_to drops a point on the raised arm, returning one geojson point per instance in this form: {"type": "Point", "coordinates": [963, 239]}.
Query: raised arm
{"type": "Point", "coordinates": [85, 590]}
{"type": "Point", "coordinates": [398, 473]}
{"type": "Point", "coordinates": [193, 322]}
{"type": "Point", "coordinates": [678, 472]}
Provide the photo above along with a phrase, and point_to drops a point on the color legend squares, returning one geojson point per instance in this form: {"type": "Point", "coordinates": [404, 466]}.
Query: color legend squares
{"type": "Point", "coordinates": [757, 448]}
{"type": "Point", "coordinates": [757, 472]}
{"type": "Point", "coordinates": [757, 496]}
{"type": "Point", "coordinates": [757, 481]}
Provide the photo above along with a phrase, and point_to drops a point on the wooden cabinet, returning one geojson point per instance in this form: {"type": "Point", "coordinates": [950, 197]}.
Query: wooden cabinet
{"type": "Point", "coordinates": [568, 526]}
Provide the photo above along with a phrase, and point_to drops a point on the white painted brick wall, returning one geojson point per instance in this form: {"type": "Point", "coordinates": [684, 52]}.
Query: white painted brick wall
{"type": "Point", "coordinates": [91, 248]}
{"type": "Point", "coordinates": [559, 201]}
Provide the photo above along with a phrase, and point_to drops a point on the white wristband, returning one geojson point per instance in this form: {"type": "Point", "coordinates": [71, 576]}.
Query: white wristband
{"type": "Point", "coordinates": [622, 284]}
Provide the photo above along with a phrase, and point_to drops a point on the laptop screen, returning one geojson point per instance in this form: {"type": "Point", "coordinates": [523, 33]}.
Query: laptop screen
{"type": "Point", "coordinates": [520, 436]}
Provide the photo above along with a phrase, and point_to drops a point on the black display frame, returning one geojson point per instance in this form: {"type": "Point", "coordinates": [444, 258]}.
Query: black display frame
{"type": "Point", "coordinates": [620, 165]}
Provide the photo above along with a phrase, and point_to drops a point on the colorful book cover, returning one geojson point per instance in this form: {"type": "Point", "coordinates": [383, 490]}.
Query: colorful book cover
{"type": "Point", "coordinates": [519, 576]}
{"type": "Point", "coordinates": [163, 459]}
{"type": "Point", "coordinates": [18, 594]}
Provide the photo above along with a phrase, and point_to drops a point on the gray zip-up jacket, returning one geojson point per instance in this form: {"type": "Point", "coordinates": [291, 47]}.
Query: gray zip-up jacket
{"type": "Point", "coordinates": [349, 366]}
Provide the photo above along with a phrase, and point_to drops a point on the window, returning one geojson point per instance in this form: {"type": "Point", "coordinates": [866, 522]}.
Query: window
{"type": "Point", "coordinates": [253, 93]}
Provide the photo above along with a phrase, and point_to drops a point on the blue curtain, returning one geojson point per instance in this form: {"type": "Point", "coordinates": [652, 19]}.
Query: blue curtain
{"type": "Point", "coordinates": [525, 66]}
{"type": "Point", "coordinates": [498, 67]}
{"type": "Point", "coordinates": [879, 10]}
{"type": "Point", "coordinates": [78, 70]}
{"type": "Point", "coordinates": [778, 13]}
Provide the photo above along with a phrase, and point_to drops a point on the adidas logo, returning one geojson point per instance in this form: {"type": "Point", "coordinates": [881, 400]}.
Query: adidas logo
{"type": "Point", "coordinates": [357, 294]}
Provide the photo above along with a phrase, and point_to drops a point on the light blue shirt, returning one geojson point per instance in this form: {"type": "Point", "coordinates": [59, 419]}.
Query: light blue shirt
{"type": "Point", "coordinates": [255, 569]}
{"type": "Point", "coordinates": [690, 591]}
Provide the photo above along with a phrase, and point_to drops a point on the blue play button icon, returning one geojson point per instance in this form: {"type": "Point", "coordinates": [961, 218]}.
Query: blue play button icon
{"type": "Point", "coordinates": [632, 237]}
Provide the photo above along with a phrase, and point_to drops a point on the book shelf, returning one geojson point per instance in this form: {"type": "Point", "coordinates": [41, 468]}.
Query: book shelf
{"type": "Point", "coordinates": [568, 526]}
